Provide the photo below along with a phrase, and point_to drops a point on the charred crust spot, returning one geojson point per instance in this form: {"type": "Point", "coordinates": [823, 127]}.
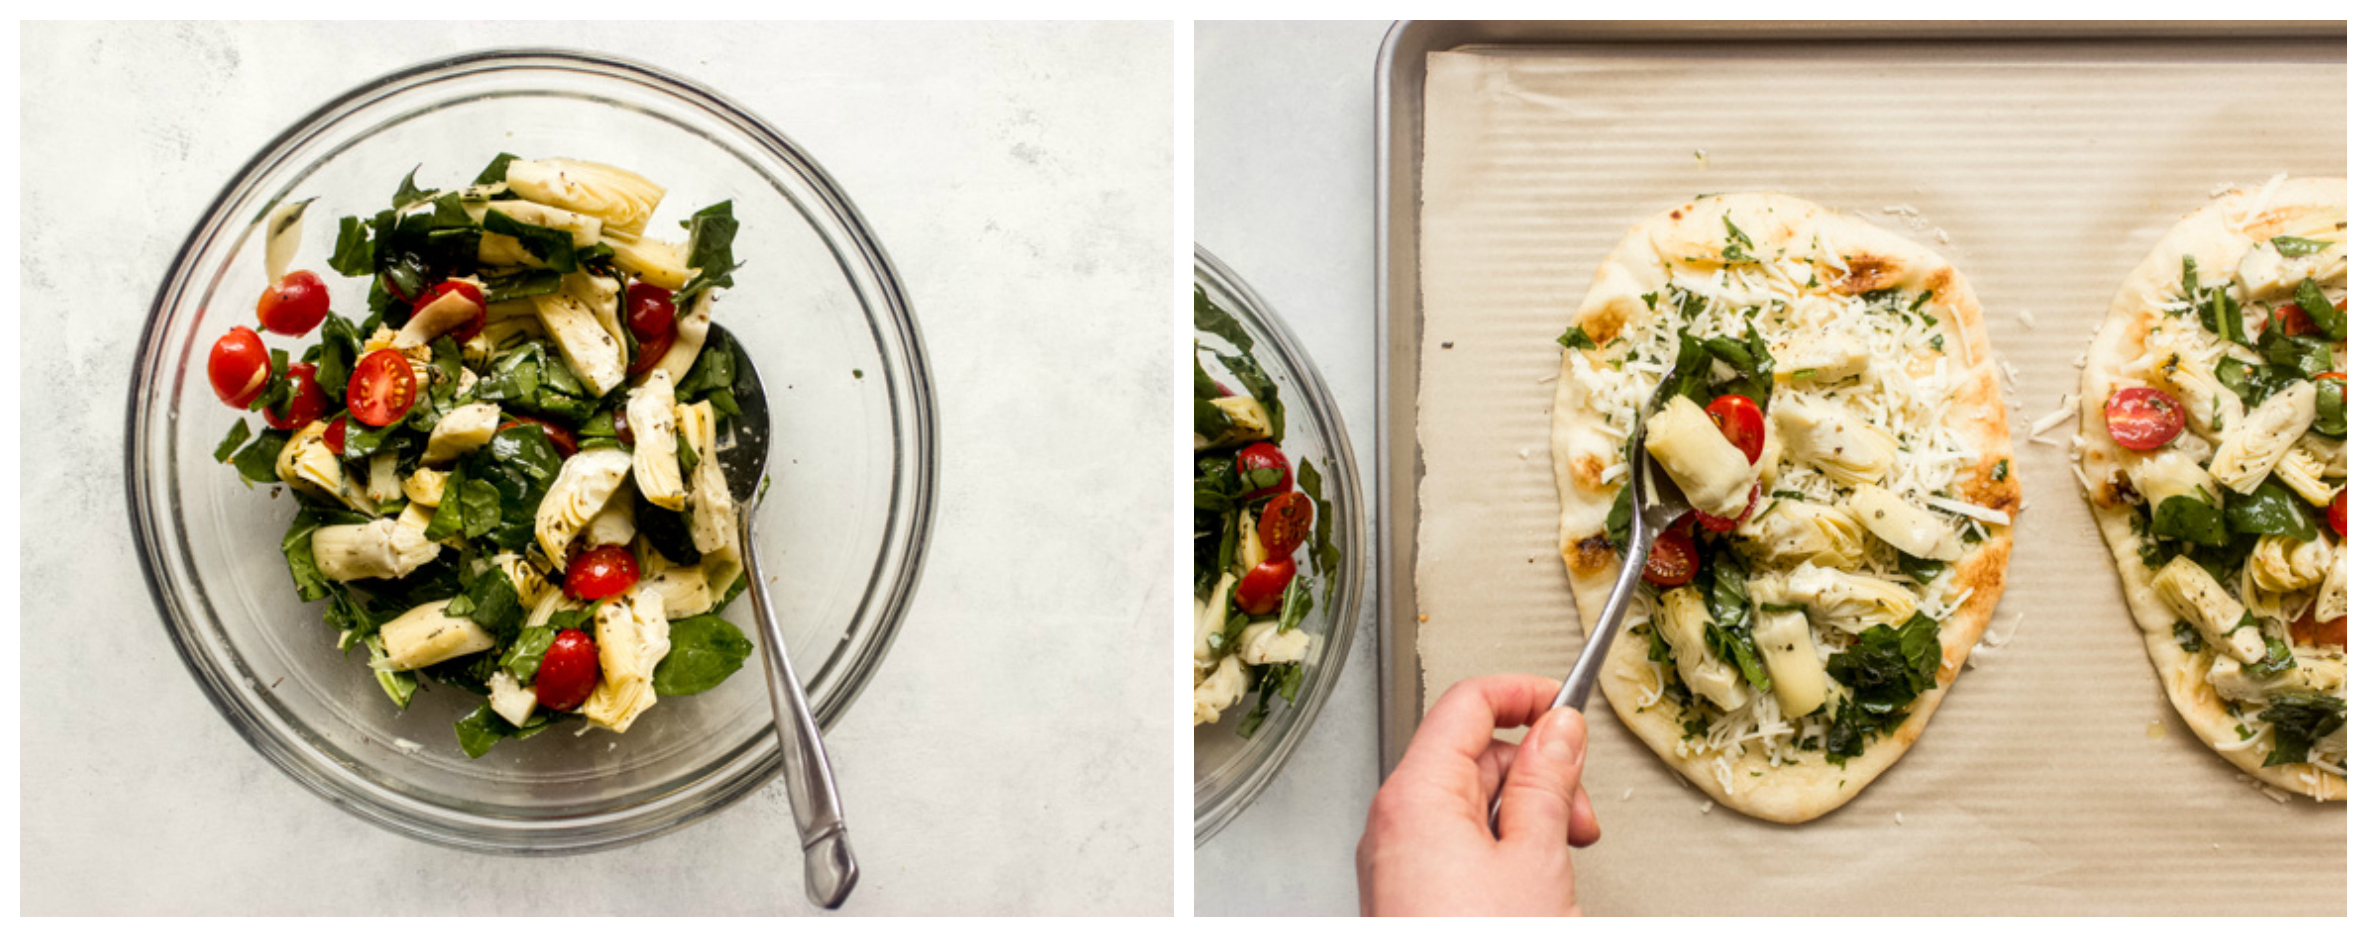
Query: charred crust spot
{"type": "Point", "coordinates": [1589, 556]}
{"type": "Point", "coordinates": [1588, 470]}
{"type": "Point", "coordinates": [1868, 272]}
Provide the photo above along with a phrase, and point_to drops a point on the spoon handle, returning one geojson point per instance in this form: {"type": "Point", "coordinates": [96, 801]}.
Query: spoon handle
{"type": "Point", "coordinates": [830, 870]}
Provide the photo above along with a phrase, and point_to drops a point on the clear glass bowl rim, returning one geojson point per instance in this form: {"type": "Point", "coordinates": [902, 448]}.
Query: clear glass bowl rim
{"type": "Point", "coordinates": [1217, 800]}
{"type": "Point", "coordinates": [749, 766]}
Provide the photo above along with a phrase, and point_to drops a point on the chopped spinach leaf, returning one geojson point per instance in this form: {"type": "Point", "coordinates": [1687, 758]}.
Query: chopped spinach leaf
{"type": "Point", "coordinates": [2300, 720]}
{"type": "Point", "coordinates": [711, 232]}
{"type": "Point", "coordinates": [2291, 246]}
{"type": "Point", "coordinates": [706, 649]}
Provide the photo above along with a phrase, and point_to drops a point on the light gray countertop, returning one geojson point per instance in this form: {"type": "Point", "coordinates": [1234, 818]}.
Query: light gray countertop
{"type": "Point", "coordinates": [1283, 193]}
{"type": "Point", "coordinates": [1020, 176]}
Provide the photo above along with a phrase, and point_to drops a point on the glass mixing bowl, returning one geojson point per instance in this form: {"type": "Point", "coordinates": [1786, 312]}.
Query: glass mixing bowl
{"type": "Point", "coordinates": [842, 531]}
{"type": "Point", "coordinates": [1228, 771]}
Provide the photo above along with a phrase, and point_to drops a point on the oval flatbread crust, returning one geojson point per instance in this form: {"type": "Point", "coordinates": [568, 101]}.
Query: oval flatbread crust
{"type": "Point", "coordinates": [2231, 241]}
{"type": "Point", "coordinates": [1804, 274]}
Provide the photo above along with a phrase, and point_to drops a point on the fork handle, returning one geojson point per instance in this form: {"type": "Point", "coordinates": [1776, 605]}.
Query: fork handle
{"type": "Point", "coordinates": [830, 870]}
{"type": "Point", "coordinates": [1580, 683]}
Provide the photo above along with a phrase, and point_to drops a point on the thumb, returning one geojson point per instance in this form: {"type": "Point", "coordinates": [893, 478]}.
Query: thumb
{"type": "Point", "coordinates": [1544, 781]}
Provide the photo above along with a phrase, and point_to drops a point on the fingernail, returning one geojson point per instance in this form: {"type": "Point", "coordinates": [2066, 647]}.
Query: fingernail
{"type": "Point", "coordinates": [1561, 734]}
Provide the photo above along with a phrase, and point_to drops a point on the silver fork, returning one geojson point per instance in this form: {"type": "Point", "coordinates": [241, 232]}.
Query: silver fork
{"type": "Point", "coordinates": [1655, 504]}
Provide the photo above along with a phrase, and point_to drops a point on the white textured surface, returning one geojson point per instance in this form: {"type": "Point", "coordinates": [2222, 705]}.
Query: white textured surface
{"type": "Point", "coordinates": [1282, 180]}
{"type": "Point", "coordinates": [1015, 755]}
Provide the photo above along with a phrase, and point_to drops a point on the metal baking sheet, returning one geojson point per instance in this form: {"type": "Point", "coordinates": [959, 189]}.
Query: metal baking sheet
{"type": "Point", "coordinates": [2043, 160]}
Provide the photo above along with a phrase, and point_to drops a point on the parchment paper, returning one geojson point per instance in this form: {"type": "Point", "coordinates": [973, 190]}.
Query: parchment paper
{"type": "Point", "coordinates": [2056, 778]}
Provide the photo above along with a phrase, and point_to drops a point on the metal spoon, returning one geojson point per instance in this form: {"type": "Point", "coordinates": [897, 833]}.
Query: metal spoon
{"type": "Point", "coordinates": [742, 444]}
{"type": "Point", "coordinates": [1655, 504]}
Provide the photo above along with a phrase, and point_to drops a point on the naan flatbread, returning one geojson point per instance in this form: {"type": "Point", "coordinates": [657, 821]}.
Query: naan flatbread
{"type": "Point", "coordinates": [1854, 318]}
{"type": "Point", "coordinates": [2154, 336]}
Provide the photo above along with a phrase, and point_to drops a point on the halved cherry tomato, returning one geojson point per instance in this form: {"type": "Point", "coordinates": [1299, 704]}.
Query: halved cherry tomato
{"type": "Point", "coordinates": [382, 388]}
{"type": "Point", "coordinates": [1260, 591]}
{"type": "Point", "coordinates": [569, 673]}
{"type": "Point", "coordinates": [562, 438]}
{"type": "Point", "coordinates": [1674, 559]}
{"type": "Point", "coordinates": [1263, 455]}
{"type": "Point", "coordinates": [2309, 630]}
{"type": "Point", "coordinates": [1741, 422]}
{"type": "Point", "coordinates": [238, 366]}
{"type": "Point", "coordinates": [475, 324]}
{"type": "Point", "coordinates": [2338, 512]}
{"type": "Point", "coordinates": [602, 572]}
{"type": "Point", "coordinates": [1282, 526]}
{"type": "Point", "coordinates": [295, 304]}
{"type": "Point", "coordinates": [334, 436]}
{"type": "Point", "coordinates": [306, 401]}
{"type": "Point", "coordinates": [2142, 418]}
{"type": "Point", "coordinates": [2295, 320]}
{"type": "Point", "coordinates": [649, 312]}
{"type": "Point", "coordinates": [1716, 524]}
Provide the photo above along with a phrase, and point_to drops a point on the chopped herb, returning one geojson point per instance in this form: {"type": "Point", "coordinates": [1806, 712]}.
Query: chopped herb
{"type": "Point", "coordinates": [2291, 246]}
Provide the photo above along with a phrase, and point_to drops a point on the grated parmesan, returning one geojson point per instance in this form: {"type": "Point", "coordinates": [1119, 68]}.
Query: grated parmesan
{"type": "Point", "coordinates": [2051, 420]}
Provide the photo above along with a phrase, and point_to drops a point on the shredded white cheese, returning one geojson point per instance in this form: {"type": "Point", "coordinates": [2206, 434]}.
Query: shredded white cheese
{"type": "Point", "coordinates": [1974, 511]}
{"type": "Point", "coordinates": [2051, 420]}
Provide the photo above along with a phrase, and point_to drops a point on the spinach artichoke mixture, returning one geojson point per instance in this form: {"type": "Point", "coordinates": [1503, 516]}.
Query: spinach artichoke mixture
{"type": "Point", "coordinates": [505, 474]}
{"type": "Point", "coordinates": [1247, 529]}
{"type": "Point", "coordinates": [2229, 443]}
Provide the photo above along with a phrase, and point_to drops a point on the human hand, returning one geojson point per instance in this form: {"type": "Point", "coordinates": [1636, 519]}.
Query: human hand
{"type": "Point", "coordinates": [1426, 846]}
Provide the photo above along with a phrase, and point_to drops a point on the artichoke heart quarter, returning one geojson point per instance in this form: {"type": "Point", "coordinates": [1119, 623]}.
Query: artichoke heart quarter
{"type": "Point", "coordinates": [649, 411]}
{"type": "Point", "coordinates": [425, 635]}
{"type": "Point", "coordinates": [714, 518]}
{"type": "Point", "coordinates": [620, 198]}
{"type": "Point", "coordinates": [380, 549]}
{"type": "Point", "coordinates": [2250, 453]}
{"type": "Point", "coordinates": [633, 637]}
{"type": "Point", "coordinates": [586, 482]}
{"type": "Point", "coordinates": [1715, 476]}
{"type": "Point", "coordinates": [581, 318]}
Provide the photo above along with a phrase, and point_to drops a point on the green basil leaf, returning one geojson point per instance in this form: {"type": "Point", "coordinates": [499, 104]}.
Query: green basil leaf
{"type": "Point", "coordinates": [2300, 720]}
{"type": "Point", "coordinates": [711, 232]}
{"type": "Point", "coordinates": [554, 247]}
{"type": "Point", "coordinates": [230, 443]}
{"type": "Point", "coordinates": [2334, 322]}
{"type": "Point", "coordinates": [524, 658]}
{"type": "Point", "coordinates": [496, 171]}
{"type": "Point", "coordinates": [2192, 519]}
{"type": "Point", "coordinates": [2333, 394]}
{"type": "Point", "coordinates": [1575, 337]}
{"type": "Point", "coordinates": [2291, 246]}
{"type": "Point", "coordinates": [705, 650]}
{"type": "Point", "coordinates": [1213, 319]}
{"type": "Point", "coordinates": [2270, 509]}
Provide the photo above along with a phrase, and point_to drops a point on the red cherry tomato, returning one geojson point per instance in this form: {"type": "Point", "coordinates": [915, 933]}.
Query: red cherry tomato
{"type": "Point", "coordinates": [2309, 630]}
{"type": "Point", "coordinates": [2295, 320]}
{"type": "Point", "coordinates": [649, 352]}
{"type": "Point", "coordinates": [334, 436]}
{"type": "Point", "coordinates": [1674, 559]}
{"type": "Point", "coordinates": [2338, 513]}
{"type": "Point", "coordinates": [475, 324]}
{"type": "Point", "coordinates": [649, 312]}
{"type": "Point", "coordinates": [306, 401]}
{"type": "Point", "coordinates": [1263, 455]}
{"type": "Point", "coordinates": [569, 673]}
{"type": "Point", "coordinates": [238, 367]}
{"type": "Point", "coordinates": [562, 438]}
{"type": "Point", "coordinates": [1260, 591]}
{"type": "Point", "coordinates": [382, 388]}
{"type": "Point", "coordinates": [1716, 524]}
{"type": "Point", "coordinates": [602, 572]}
{"type": "Point", "coordinates": [2142, 418]}
{"type": "Point", "coordinates": [1741, 422]}
{"type": "Point", "coordinates": [1283, 525]}
{"type": "Point", "coordinates": [295, 304]}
